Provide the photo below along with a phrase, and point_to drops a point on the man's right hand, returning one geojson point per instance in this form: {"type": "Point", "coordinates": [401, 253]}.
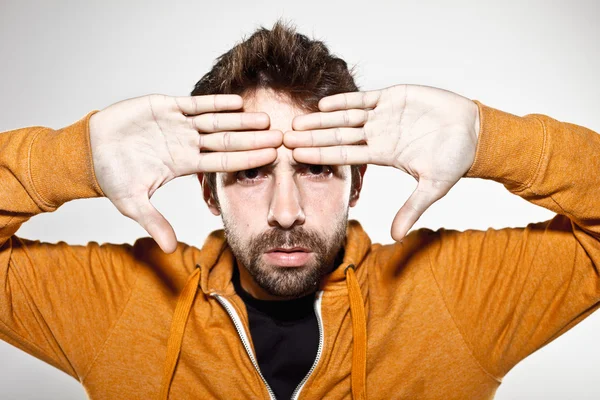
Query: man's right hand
{"type": "Point", "coordinates": [140, 144]}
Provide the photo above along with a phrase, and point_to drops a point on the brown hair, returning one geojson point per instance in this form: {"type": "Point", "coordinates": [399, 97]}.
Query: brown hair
{"type": "Point", "coordinates": [285, 61]}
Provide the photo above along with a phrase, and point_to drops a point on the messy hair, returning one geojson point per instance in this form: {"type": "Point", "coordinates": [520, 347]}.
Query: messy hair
{"type": "Point", "coordinates": [282, 60]}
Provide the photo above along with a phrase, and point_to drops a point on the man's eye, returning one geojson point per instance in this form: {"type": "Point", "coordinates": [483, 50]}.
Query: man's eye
{"type": "Point", "coordinates": [248, 174]}
{"type": "Point", "coordinates": [319, 169]}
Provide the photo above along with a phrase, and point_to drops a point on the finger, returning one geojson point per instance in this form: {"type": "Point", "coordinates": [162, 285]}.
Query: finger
{"type": "Point", "coordinates": [345, 118]}
{"type": "Point", "coordinates": [345, 101]}
{"type": "Point", "coordinates": [336, 155]}
{"type": "Point", "coordinates": [323, 137]}
{"type": "Point", "coordinates": [236, 141]}
{"type": "Point", "coordinates": [215, 122]}
{"type": "Point", "coordinates": [144, 213]}
{"type": "Point", "coordinates": [235, 161]}
{"type": "Point", "coordinates": [426, 193]}
{"type": "Point", "coordinates": [194, 105]}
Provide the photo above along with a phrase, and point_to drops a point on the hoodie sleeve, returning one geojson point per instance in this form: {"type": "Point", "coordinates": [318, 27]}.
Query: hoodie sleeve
{"type": "Point", "coordinates": [57, 302]}
{"type": "Point", "coordinates": [512, 291]}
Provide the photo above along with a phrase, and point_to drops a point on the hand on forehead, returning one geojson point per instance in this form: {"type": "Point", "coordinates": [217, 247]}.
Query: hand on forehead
{"type": "Point", "coordinates": [278, 106]}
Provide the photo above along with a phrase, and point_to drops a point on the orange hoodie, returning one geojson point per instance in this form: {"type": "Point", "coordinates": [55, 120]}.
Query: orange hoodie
{"type": "Point", "coordinates": [443, 315]}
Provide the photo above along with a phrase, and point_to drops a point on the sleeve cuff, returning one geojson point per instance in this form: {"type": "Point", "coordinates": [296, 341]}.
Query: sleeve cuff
{"type": "Point", "coordinates": [509, 148]}
{"type": "Point", "coordinates": [60, 165]}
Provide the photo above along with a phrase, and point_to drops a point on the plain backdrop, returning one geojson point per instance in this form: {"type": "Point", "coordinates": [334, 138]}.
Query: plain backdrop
{"type": "Point", "coordinates": [61, 59]}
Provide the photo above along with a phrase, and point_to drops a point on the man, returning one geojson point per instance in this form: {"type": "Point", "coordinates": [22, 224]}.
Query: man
{"type": "Point", "coordinates": [280, 139]}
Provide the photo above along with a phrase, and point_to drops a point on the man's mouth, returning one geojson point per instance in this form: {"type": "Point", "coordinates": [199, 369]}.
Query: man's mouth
{"type": "Point", "coordinates": [288, 256]}
{"type": "Point", "coordinates": [289, 249]}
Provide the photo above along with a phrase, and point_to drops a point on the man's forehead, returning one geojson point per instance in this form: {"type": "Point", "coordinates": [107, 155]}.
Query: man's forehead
{"type": "Point", "coordinates": [277, 105]}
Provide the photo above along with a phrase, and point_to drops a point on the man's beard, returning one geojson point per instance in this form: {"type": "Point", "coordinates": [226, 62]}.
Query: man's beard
{"type": "Point", "coordinates": [289, 282]}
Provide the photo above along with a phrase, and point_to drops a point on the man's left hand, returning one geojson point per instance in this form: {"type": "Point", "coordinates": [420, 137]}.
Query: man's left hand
{"type": "Point", "coordinates": [426, 132]}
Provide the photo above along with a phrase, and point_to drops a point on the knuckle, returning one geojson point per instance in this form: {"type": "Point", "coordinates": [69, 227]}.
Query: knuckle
{"type": "Point", "coordinates": [194, 123]}
{"type": "Point", "coordinates": [344, 154]}
{"type": "Point", "coordinates": [364, 116]}
{"type": "Point", "coordinates": [227, 141]}
{"type": "Point", "coordinates": [413, 207]}
{"type": "Point", "coordinates": [338, 135]}
{"type": "Point", "coordinates": [177, 102]}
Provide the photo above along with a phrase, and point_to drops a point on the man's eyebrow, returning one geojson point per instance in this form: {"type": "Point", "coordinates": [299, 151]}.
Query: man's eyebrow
{"type": "Point", "coordinates": [293, 163]}
{"type": "Point", "coordinates": [272, 165]}
{"type": "Point", "coordinates": [296, 164]}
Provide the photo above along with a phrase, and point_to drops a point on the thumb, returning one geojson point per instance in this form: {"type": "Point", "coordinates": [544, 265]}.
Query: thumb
{"type": "Point", "coordinates": [144, 213]}
{"type": "Point", "coordinates": [426, 193]}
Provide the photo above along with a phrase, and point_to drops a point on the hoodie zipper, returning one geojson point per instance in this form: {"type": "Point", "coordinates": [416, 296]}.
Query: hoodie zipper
{"type": "Point", "coordinates": [237, 321]}
{"type": "Point", "coordinates": [299, 388]}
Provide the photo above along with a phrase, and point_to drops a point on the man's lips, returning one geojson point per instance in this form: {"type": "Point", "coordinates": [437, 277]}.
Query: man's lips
{"type": "Point", "coordinates": [288, 257]}
{"type": "Point", "coordinates": [289, 249]}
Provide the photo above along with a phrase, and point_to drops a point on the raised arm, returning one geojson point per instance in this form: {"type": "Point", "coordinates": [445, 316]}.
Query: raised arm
{"type": "Point", "coordinates": [58, 302]}
{"type": "Point", "coordinates": [512, 291]}
{"type": "Point", "coordinates": [46, 290]}
{"type": "Point", "coordinates": [509, 291]}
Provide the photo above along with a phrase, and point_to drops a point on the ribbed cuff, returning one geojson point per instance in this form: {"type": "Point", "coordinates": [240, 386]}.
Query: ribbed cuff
{"type": "Point", "coordinates": [509, 148]}
{"type": "Point", "coordinates": [60, 164]}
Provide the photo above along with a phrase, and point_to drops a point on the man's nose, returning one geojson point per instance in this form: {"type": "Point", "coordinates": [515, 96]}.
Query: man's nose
{"type": "Point", "coordinates": [285, 209]}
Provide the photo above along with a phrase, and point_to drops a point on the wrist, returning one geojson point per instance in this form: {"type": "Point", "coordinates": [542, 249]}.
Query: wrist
{"type": "Point", "coordinates": [506, 135]}
{"type": "Point", "coordinates": [61, 168]}
{"type": "Point", "coordinates": [477, 120]}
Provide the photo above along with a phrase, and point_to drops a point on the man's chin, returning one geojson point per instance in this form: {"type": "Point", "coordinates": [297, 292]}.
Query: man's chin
{"type": "Point", "coordinates": [287, 281]}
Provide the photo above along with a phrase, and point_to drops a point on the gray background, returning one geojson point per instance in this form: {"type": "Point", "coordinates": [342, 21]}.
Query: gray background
{"type": "Point", "coordinates": [59, 60]}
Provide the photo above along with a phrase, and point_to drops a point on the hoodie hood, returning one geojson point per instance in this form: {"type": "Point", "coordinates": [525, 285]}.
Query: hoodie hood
{"type": "Point", "coordinates": [213, 274]}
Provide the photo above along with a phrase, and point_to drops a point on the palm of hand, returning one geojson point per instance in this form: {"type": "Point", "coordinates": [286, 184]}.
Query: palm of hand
{"type": "Point", "coordinates": [426, 132]}
{"type": "Point", "coordinates": [428, 140]}
{"type": "Point", "coordinates": [146, 148]}
{"type": "Point", "coordinates": [140, 144]}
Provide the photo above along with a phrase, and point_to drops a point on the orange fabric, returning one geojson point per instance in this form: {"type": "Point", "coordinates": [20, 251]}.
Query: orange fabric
{"type": "Point", "coordinates": [180, 317]}
{"type": "Point", "coordinates": [447, 313]}
{"type": "Point", "coordinates": [359, 332]}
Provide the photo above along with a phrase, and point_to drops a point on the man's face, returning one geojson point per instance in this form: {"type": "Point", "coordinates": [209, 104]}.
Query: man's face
{"type": "Point", "coordinates": [284, 222]}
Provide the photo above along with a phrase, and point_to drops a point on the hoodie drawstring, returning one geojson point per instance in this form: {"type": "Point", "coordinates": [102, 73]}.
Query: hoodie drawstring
{"type": "Point", "coordinates": [359, 333]}
{"type": "Point", "coordinates": [180, 317]}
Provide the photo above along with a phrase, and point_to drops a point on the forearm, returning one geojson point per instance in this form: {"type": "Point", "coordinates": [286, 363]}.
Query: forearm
{"type": "Point", "coordinates": [550, 163]}
{"type": "Point", "coordinates": [41, 169]}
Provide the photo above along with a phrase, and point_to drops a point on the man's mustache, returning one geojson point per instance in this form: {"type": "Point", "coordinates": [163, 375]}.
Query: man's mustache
{"type": "Point", "coordinates": [296, 237]}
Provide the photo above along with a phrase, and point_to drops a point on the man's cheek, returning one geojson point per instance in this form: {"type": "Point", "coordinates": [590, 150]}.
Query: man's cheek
{"type": "Point", "coordinates": [326, 198]}
{"type": "Point", "coordinates": [246, 204]}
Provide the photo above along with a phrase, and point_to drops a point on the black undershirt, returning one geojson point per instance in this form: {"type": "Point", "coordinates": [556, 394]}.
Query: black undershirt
{"type": "Point", "coordinates": [285, 336]}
